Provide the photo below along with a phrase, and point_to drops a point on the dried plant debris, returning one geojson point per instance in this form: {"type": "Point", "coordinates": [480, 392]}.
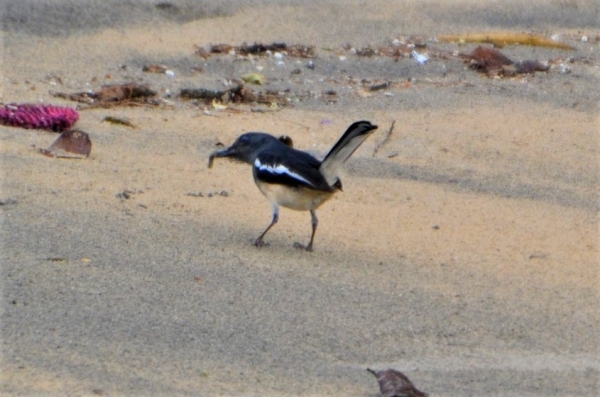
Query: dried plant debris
{"type": "Point", "coordinates": [388, 136]}
{"type": "Point", "coordinates": [155, 69]}
{"type": "Point", "coordinates": [486, 59]}
{"type": "Point", "coordinates": [46, 117]}
{"type": "Point", "coordinates": [114, 94]}
{"type": "Point", "coordinates": [379, 86]}
{"type": "Point", "coordinates": [72, 144]}
{"type": "Point", "coordinates": [397, 48]}
{"type": "Point", "coordinates": [368, 51]}
{"type": "Point", "coordinates": [127, 194]}
{"type": "Point", "coordinates": [254, 78]}
{"type": "Point", "coordinates": [119, 121]}
{"type": "Point", "coordinates": [125, 92]}
{"type": "Point", "coordinates": [393, 383]}
{"type": "Point", "coordinates": [234, 94]}
{"type": "Point", "coordinates": [365, 52]}
{"type": "Point", "coordinates": [526, 67]}
{"type": "Point", "coordinates": [494, 63]}
{"type": "Point", "coordinates": [501, 39]}
{"type": "Point", "coordinates": [222, 193]}
{"type": "Point", "coordinates": [237, 94]}
{"type": "Point", "coordinates": [296, 50]}
{"type": "Point", "coordinates": [124, 195]}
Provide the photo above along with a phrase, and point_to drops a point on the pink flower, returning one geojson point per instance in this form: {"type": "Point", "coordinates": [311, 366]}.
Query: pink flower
{"type": "Point", "coordinates": [46, 117]}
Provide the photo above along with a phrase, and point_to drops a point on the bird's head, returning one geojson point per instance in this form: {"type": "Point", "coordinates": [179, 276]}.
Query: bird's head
{"type": "Point", "coordinates": [245, 148]}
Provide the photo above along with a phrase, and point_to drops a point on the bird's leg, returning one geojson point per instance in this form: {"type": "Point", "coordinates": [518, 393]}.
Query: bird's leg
{"type": "Point", "coordinates": [259, 241]}
{"type": "Point", "coordinates": [315, 223]}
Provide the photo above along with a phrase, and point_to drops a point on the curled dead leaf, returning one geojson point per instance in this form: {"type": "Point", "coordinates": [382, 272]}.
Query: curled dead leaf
{"type": "Point", "coordinates": [393, 383]}
{"type": "Point", "coordinates": [72, 144]}
{"type": "Point", "coordinates": [485, 59]}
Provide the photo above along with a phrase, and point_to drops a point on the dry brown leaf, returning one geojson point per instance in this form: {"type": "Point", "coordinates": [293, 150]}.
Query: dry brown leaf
{"type": "Point", "coordinates": [72, 144]}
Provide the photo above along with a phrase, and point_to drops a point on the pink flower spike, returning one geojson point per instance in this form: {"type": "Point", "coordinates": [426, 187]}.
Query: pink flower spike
{"type": "Point", "coordinates": [46, 117]}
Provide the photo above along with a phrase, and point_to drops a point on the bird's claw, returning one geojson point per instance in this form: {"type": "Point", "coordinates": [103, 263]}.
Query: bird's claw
{"type": "Point", "coordinates": [260, 243]}
{"type": "Point", "coordinates": [303, 247]}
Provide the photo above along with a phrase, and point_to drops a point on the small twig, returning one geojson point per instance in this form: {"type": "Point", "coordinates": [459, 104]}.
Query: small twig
{"type": "Point", "coordinates": [266, 110]}
{"type": "Point", "coordinates": [386, 139]}
{"type": "Point", "coordinates": [110, 105]}
{"type": "Point", "coordinates": [119, 121]}
{"type": "Point", "coordinates": [381, 86]}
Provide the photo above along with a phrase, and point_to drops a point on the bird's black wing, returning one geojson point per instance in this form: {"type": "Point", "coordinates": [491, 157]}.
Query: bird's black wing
{"type": "Point", "coordinates": [286, 166]}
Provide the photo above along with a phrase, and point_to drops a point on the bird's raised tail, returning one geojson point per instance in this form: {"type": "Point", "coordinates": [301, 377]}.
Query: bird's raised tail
{"type": "Point", "coordinates": [354, 136]}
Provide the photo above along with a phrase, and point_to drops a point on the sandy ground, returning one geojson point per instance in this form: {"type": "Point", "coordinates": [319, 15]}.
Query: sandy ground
{"type": "Point", "coordinates": [463, 250]}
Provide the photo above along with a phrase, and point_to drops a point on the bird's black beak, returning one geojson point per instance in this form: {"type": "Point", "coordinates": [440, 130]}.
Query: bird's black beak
{"type": "Point", "coordinates": [229, 152]}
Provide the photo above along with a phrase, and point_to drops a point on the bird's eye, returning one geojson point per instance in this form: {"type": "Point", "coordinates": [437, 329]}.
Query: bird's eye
{"type": "Point", "coordinates": [244, 139]}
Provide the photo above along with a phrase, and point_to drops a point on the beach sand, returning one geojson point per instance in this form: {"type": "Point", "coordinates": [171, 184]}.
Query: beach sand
{"type": "Point", "coordinates": [463, 250]}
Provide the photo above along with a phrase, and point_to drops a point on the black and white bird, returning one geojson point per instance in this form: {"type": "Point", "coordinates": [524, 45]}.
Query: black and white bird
{"type": "Point", "coordinates": [292, 178]}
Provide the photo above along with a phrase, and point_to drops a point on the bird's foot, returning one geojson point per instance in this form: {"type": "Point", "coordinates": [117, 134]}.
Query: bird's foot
{"type": "Point", "coordinates": [303, 247]}
{"type": "Point", "coordinates": [260, 243]}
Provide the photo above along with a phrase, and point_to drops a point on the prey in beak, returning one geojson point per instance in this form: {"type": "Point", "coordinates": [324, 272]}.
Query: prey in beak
{"type": "Point", "coordinates": [218, 153]}
{"type": "Point", "coordinates": [292, 178]}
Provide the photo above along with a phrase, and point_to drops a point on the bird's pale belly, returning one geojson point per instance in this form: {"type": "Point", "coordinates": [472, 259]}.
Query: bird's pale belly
{"type": "Point", "coordinates": [299, 199]}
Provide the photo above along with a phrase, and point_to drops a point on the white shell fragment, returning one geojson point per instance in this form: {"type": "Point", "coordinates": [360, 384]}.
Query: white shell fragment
{"type": "Point", "coordinates": [420, 58]}
{"type": "Point", "coordinates": [563, 68]}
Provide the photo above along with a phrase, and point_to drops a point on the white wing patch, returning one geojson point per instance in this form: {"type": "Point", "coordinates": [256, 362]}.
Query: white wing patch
{"type": "Point", "coordinates": [279, 169]}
